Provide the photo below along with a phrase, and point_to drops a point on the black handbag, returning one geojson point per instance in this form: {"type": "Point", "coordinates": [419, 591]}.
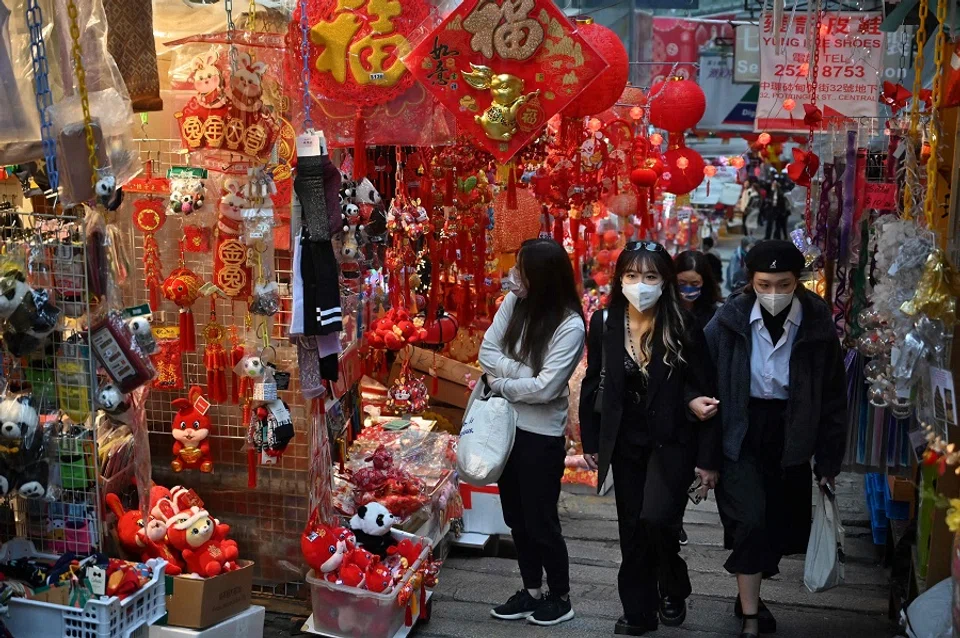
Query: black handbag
{"type": "Point", "coordinates": [598, 400]}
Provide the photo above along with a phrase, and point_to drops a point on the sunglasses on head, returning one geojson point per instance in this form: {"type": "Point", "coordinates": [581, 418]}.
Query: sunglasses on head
{"type": "Point", "coordinates": [652, 246]}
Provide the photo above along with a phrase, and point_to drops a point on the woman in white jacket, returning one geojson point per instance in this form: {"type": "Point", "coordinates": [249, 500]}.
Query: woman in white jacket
{"type": "Point", "coordinates": [528, 356]}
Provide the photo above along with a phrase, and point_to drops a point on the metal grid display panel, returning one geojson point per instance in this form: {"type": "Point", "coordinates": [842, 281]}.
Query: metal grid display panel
{"type": "Point", "coordinates": [265, 521]}
{"type": "Point", "coordinates": [60, 377]}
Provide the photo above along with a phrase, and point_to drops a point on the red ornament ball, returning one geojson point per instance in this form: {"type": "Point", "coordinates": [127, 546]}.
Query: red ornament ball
{"type": "Point", "coordinates": [603, 258]}
{"type": "Point", "coordinates": [628, 231]}
{"type": "Point", "coordinates": [601, 278]}
{"type": "Point", "coordinates": [603, 92]}
{"type": "Point", "coordinates": [610, 237]}
{"type": "Point", "coordinates": [684, 180]}
{"type": "Point", "coordinates": [679, 105]}
{"type": "Point", "coordinates": [643, 177]}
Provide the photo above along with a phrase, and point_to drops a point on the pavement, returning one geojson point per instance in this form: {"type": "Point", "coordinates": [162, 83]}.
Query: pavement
{"type": "Point", "coordinates": [471, 582]}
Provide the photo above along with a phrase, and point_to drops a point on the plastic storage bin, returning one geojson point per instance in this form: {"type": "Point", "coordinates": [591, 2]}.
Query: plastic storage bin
{"type": "Point", "coordinates": [896, 510]}
{"type": "Point", "coordinates": [103, 618]}
{"type": "Point", "coordinates": [347, 612]}
{"type": "Point", "coordinates": [874, 486]}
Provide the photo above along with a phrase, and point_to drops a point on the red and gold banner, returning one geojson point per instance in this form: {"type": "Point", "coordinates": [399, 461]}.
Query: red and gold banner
{"type": "Point", "coordinates": [505, 67]}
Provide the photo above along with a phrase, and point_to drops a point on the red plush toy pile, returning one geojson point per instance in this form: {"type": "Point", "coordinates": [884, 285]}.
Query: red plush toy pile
{"type": "Point", "coordinates": [396, 330]}
{"type": "Point", "coordinates": [177, 530]}
{"type": "Point", "coordinates": [396, 489]}
{"type": "Point", "coordinates": [335, 556]}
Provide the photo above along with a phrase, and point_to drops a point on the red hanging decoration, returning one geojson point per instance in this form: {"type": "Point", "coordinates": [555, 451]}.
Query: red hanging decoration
{"type": "Point", "coordinates": [149, 215]}
{"type": "Point", "coordinates": [608, 87]}
{"type": "Point", "coordinates": [676, 104]}
{"type": "Point", "coordinates": [182, 287]}
{"type": "Point", "coordinates": [215, 357]}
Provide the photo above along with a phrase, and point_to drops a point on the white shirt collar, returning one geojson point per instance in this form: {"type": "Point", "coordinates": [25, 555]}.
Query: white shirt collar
{"type": "Point", "coordinates": [795, 316]}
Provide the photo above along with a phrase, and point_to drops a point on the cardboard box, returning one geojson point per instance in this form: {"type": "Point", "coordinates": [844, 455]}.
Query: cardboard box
{"type": "Point", "coordinates": [247, 624]}
{"type": "Point", "coordinates": [199, 603]}
{"type": "Point", "coordinates": [482, 512]}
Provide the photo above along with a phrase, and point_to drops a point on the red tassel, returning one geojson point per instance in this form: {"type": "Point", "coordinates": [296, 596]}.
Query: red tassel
{"type": "Point", "coordinates": [359, 147]}
{"type": "Point", "coordinates": [188, 335]}
{"type": "Point", "coordinates": [154, 298]}
{"type": "Point", "coordinates": [449, 190]}
{"type": "Point", "coordinates": [512, 188]}
{"type": "Point", "coordinates": [423, 602]}
{"type": "Point", "coordinates": [251, 468]}
{"type": "Point", "coordinates": [558, 230]}
{"type": "Point", "coordinates": [408, 616]}
{"type": "Point", "coordinates": [435, 385]}
{"type": "Point", "coordinates": [236, 356]}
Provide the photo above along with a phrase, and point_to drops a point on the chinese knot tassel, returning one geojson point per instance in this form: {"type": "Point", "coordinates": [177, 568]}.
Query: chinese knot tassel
{"type": "Point", "coordinates": [188, 334]}
{"type": "Point", "coordinates": [359, 147]}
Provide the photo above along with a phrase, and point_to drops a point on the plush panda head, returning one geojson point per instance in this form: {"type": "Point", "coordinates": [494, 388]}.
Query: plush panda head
{"type": "Point", "coordinates": [139, 326]}
{"type": "Point", "coordinates": [253, 367]}
{"type": "Point", "coordinates": [18, 416]}
{"type": "Point", "coordinates": [373, 519]}
{"type": "Point", "coordinates": [13, 288]}
{"type": "Point", "coordinates": [110, 398]}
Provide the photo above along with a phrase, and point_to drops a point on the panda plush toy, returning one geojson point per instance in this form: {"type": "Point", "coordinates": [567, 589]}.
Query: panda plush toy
{"type": "Point", "coordinates": [23, 466]}
{"type": "Point", "coordinates": [371, 525]}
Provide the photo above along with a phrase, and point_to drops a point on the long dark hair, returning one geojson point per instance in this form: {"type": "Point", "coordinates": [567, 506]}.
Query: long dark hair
{"type": "Point", "coordinates": [669, 320]}
{"type": "Point", "coordinates": [696, 261]}
{"type": "Point", "coordinates": [551, 297]}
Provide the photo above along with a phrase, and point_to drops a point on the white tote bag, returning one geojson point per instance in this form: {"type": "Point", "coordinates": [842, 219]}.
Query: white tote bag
{"type": "Point", "coordinates": [823, 567]}
{"type": "Point", "coordinates": [486, 438]}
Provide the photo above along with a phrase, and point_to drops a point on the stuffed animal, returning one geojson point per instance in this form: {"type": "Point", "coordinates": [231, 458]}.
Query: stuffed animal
{"type": "Point", "coordinates": [28, 315]}
{"type": "Point", "coordinates": [115, 403]}
{"type": "Point", "coordinates": [191, 428]}
{"type": "Point", "coordinates": [143, 334]}
{"type": "Point", "coordinates": [379, 577]}
{"type": "Point", "coordinates": [371, 525]}
{"type": "Point", "coordinates": [407, 550]}
{"type": "Point", "coordinates": [323, 550]}
{"type": "Point", "coordinates": [141, 540]}
{"type": "Point", "coordinates": [24, 467]}
{"type": "Point", "coordinates": [202, 542]}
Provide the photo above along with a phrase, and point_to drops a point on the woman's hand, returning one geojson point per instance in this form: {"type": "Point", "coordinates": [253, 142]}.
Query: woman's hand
{"type": "Point", "coordinates": [709, 478]}
{"type": "Point", "coordinates": [591, 461]}
{"type": "Point", "coordinates": [704, 408]}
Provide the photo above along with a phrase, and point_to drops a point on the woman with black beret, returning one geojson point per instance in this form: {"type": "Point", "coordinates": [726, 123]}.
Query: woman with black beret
{"type": "Point", "coordinates": [782, 392]}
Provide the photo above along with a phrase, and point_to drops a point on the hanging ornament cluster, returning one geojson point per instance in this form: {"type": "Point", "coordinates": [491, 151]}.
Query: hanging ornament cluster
{"type": "Point", "coordinates": [504, 68]}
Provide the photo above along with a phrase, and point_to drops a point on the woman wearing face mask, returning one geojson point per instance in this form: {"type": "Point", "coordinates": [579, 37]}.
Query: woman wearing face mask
{"type": "Point", "coordinates": [654, 424]}
{"type": "Point", "coordinates": [528, 356]}
{"type": "Point", "coordinates": [699, 291]}
{"type": "Point", "coordinates": [783, 387]}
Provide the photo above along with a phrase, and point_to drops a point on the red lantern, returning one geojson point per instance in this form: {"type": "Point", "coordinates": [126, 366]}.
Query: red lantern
{"type": "Point", "coordinates": [643, 177]}
{"type": "Point", "coordinates": [623, 205]}
{"type": "Point", "coordinates": [607, 88]}
{"type": "Point", "coordinates": [603, 258]}
{"type": "Point", "coordinates": [789, 104]}
{"type": "Point", "coordinates": [656, 164]}
{"type": "Point", "coordinates": [737, 162]}
{"type": "Point", "coordinates": [628, 231]}
{"type": "Point", "coordinates": [710, 170]}
{"type": "Point", "coordinates": [441, 331]}
{"type": "Point", "coordinates": [636, 113]}
{"type": "Point", "coordinates": [679, 104]}
{"type": "Point", "coordinates": [656, 139]}
{"type": "Point", "coordinates": [684, 179]}
{"type": "Point", "coordinates": [610, 237]}
{"type": "Point", "coordinates": [763, 139]}
{"type": "Point", "coordinates": [601, 278]}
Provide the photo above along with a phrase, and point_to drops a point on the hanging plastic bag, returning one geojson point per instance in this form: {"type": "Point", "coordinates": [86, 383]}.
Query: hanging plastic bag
{"type": "Point", "coordinates": [824, 565]}
{"type": "Point", "coordinates": [486, 439]}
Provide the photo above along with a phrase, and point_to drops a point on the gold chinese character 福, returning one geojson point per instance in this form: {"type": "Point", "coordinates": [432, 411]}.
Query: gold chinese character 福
{"type": "Point", "coordinates": [506, 29]}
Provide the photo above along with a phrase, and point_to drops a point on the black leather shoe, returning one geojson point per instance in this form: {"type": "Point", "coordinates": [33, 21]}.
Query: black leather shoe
{"type": "Point", "coordinates": [636, 626]}
{"type": "Point", "coordinates": [673, 611]}
{"type": "Point", "coordinates": [768, 624]}
{"type": "Point", "coordinates": [750, 634]}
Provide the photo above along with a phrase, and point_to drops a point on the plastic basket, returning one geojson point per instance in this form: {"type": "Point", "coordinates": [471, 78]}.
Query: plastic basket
{"type": "Point", "coordinates": [103, 618]}
{"type": "Point", "coordinates": [348, 612]}
{"type": "Point", "coordinates": [873, 486]}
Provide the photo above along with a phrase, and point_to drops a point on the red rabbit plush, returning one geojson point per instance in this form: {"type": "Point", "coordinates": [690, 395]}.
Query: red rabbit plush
{"type": "Point", "coordinates": [202, 542]}
{"type": "Point", "coordinates": [191, 428]}
{"type": "Point", "coordinates": [142, 540]}
{"type": "Point", "coordinates": [379, 578]}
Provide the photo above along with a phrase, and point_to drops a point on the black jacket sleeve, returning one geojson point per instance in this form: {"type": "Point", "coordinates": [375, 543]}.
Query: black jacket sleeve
{"type": "Point", "coordinates": [700, 381]}
{"type": "Point", "coordinates": [590, 420]}
{"type": "Point", "coordinates": [832, 433]}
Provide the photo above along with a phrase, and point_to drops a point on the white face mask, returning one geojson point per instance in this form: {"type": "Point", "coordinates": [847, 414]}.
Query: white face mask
{"type": "Point", "coordinates": [513, 282]}
{"type": "Point", "coordinates": [775, 303]}
{"type": "Point", "coordinates": [643, 296]}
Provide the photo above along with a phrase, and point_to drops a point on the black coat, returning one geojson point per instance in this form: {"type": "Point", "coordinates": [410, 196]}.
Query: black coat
{"type": "Point", "coordinates": [669, 421]}
{"type": "Point", "coordinates": [816, 422]}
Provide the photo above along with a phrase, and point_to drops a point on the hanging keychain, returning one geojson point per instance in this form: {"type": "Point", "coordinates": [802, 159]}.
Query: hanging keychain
{"type": "Point", "coordinates": [265, 300]}
{"type": "Point", "coordinates": [215, 357]}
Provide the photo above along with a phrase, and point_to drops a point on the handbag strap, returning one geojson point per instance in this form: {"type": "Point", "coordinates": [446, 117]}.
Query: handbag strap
{"type": "Point", "coordinates": [603, 348]}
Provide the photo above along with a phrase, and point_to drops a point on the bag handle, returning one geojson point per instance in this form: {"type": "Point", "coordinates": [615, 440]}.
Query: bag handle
{"type": "Point", "coordinates": [603, 349]}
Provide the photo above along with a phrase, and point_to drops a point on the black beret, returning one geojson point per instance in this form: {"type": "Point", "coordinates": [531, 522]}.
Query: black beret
{"type": "Point", "coordinates": [775, 255]}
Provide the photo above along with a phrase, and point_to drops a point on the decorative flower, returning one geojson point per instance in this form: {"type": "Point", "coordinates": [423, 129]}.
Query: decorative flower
{"type": "Point", "coordinates": [953, 515]}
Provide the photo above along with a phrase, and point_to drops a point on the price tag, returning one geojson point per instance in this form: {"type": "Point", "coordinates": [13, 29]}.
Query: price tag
{"type": "Point", "coordinates": [880, 196]}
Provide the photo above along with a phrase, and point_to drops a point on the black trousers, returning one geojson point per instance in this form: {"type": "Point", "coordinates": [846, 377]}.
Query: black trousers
{"type": "Point", "coordinates": [776, 226]}
{"type": "Point", "coordinates": [651, 484]}
{"type": "Point", "coordinates": [765, 508]}
{"type": "Point", "coordinates": [529, 493]}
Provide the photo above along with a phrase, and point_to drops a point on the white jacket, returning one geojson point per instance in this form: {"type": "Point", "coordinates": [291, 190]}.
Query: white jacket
{"type": "Point", "coordinates": [541, 400]}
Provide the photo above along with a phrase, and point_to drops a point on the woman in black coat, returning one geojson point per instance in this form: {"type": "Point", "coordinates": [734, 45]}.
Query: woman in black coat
{"type": "Point", "coordinates": [782, 383]}
{"type": "Point", "coordinates": [655, 425]}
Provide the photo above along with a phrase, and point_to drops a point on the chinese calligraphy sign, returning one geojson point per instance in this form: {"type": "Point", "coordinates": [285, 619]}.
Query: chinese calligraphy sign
{"type": "Point", "coordinates": [503, 68]}
{"type": "Point", "coordinates": [357, 47]}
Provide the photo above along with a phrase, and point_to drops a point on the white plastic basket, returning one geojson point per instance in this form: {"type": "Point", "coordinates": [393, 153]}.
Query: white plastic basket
{"type": "Point", "coordinates": [348, 612]}
{"type": "Point", "coordinates": [101, 618]}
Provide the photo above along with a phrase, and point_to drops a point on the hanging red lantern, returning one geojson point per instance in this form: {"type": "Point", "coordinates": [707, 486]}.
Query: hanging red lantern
{"type": "Point", "coordinates": [610, 237]}
{"type": "Point", "coordinates": [678, 104]}
{"type": "Point", "coordinates": [601, 278]}
{"type": "Point", "coordinates": [763, 139]}
{"type": "Point", "coordinates": [737, 162]}
{"type": "Point", "coordinates": [603, 258]}
{"type": "Point", "coordinates": [441, 330]}
{"type": "Point", "coordinates": [710, 170]}
{"type": "Point", "coordinates": [628, 231]}
{"type": "Point", "coordinates": [623, 204]}
{"type": "Point", "coordinates": [687, 177]}
{"type": "Point", "coordinates": [656, 139]}
{"type": "Point", "coordinates": [789, 104]}
{"type": "Point", "coordinates": [636, 113]}
{"type": "Point", "coordinates": [607, 88]}
{"type": "Point", "coordinates": [643, 177]}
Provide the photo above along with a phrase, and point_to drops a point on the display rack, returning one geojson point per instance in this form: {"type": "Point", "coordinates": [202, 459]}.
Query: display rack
{"type": "Point", "coordinates": [60, 377]}
{"type": "Point", "coordinates": [266, 521]}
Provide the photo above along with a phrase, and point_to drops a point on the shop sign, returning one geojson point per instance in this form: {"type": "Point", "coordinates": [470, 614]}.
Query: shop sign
{"type": "Point", "coordinates": [746, 54]}
{"type": "Point", "coordinates": [851, 50]}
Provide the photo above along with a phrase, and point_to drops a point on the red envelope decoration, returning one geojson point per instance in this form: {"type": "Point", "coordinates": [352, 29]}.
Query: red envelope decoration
{"type": "Point", "coordinates": [895, 96]}
{"type": "Point", "coordinates": [813, 116]}
{"type": "Point", "coordinates": [503, 68]}
{"type": "Point", "coordinates": [803, 167]}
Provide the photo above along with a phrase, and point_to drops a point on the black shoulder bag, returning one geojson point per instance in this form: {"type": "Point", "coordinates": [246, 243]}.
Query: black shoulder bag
{"type": "Point", "coordinates": [598, 401]}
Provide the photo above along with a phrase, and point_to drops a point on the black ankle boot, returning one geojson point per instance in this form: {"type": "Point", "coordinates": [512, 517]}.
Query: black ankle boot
{"type": "Point", "coordinates": [747, 634]}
